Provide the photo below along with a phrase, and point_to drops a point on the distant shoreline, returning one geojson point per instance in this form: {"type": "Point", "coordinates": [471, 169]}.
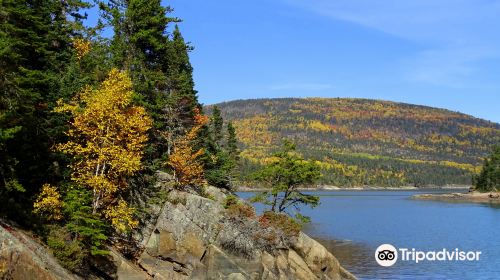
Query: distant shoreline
{"type": "Point", "coordinates": [476, 197]}
{"type": "Point", "coordinates": [364, 188]}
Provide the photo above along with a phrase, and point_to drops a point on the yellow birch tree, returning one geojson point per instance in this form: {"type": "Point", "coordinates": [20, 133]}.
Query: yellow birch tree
{"type": "Point", "coordinates": [107, 136]}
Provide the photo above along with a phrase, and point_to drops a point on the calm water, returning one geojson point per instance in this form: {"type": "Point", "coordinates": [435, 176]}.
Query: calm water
{"type": "Point", "coordinates": [352, 224]}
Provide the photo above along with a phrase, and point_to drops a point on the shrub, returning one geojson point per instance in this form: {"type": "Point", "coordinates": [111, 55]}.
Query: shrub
{"type": "Point", "coordinates": [230, 200]}
{"type": "Point", "coordinates": [241, 209]}
{"type": "Point", "coordinates": [69, 252]}
{"type": "Point", "coordinates": [289, 226]}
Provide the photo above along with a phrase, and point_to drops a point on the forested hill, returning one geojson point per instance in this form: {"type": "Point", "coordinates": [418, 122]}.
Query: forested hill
{"type": "Point", "coordinates": [365, 142]}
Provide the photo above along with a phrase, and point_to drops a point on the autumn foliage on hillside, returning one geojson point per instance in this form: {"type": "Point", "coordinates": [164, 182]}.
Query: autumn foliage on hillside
{"type": "Point", "coordinates": [365, 142]}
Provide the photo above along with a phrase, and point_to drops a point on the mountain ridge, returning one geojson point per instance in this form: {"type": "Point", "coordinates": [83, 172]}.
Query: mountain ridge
{"type": "Point", "coordinates": [352, 98]}
{"type": "Point", "coordinates": [365, 141]}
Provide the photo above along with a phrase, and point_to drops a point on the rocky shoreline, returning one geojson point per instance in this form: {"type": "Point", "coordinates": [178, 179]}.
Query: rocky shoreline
{"type": "Point", "coordinates": [363, 188]}
{"type": "Point", "coordinates": [187, 237]}
{"type": "Point", "coordinates": [476, 197]}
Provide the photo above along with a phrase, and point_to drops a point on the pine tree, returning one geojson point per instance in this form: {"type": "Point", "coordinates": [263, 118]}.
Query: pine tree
{"type": "Point", "coordinates": [216, 123]}
{"type": "Point", "coordinates": [82, 223]}
{"type": "Point", "coordinates": [221, 154]}
{"type": "Point", "coordinates": [182, 100]}
{"type": "Point", "coordinates": [232, 142]}
{"type": "Point", "coordinates": [35, 42]}
{"type": "Point", "coordinates": [489, 178]}
{"type": "Point", "coordinates": [160, 69]}
{"type": "Point", "coordinates": [180, 77]}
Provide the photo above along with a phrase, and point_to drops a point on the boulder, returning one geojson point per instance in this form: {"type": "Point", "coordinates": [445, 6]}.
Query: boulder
{"type": "Point", "coordinates": [298, 267]}
{"type": "Point", "coordinates": [216, 194]}
{"type": "Point", "coordinates": [219, 265]}
{"type": "Point", "coordinates": [318, 258]}
{"type": "Point", "coordinates": [21, 257]}
{"type": "Point", "coordinates": [127, 270]}
{"type": "Point", "coordinates": [199, 216]}
{"type": "Point", "coordinates": [161, 269]}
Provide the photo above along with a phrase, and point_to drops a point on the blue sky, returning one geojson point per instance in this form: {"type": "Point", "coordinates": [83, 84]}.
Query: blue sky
{"type": "Point", "coordinates": [442, 53]}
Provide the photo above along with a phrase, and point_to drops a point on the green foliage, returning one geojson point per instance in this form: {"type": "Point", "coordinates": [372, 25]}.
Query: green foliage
{"type": "Point", "coordinates": [160, 70]}
{"type": "Point", "coordinates": [81, 223]}
{"type": "Point", "coordinates": [218, 168]}
{"type": "Point", "coordinates": [489, 178]}
{"type": "Point", "coordinates": [221, 154]}
{"type": "Point", "coordinates": [287, 172]}
{"type": "Point", "coordinates": [232, 143]}
{"type": "Point", "coordinates": [69, 251]}
{"type": "Point", "coordinates": [216, 125]}
{"type": "Point", "coordinates": [35, 45]}
{"type": "Point", "coordinates": [230, 200]}
{"type": "Point", "coordinates": [47, 55]}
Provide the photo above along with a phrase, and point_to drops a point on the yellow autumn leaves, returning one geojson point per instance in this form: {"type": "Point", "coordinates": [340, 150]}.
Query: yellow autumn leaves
{"type": "Point", "coordinates": [188, 169]}
{"type": "Point", "coordinates": [82, 47]}
{"type": "Point", "coordinates": [49, 203]}
{"type": "Point", "coordinates": [107, 136]}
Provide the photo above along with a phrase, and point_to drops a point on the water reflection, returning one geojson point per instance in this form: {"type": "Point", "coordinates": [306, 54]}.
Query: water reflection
{"type": "Point", "coordinates": [352, 224]}
{"type": "Point", "coordinates": [351, 255]}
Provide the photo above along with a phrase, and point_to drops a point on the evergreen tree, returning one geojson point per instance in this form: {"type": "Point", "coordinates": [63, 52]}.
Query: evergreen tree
{"type": "Point", "coordinates": [36, 44]}
{"type": "Point", "coordinates": [489, 178]}
{"type": "Point", "coordinates": [182, 100]}
{"type": "Point", "coordinates": [216, 123]}
{"type": "Point", "coordinates": [232, 142]}
{"type": "Point", "coordinates": [220, 158]}
{"type": "Point", "coordinates": [160, 69]}
{"type": "Point", "coordinates": [180, 77]}
{"type": "Point", "coordinates": [82, 223]}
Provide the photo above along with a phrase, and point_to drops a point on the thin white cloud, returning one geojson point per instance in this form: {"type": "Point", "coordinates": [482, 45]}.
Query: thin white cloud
{"type": "Point", "coordinates": [437, 20]}
{"type": "Point", "coordinates": [300, 87]}
{"type": "Point", "coordinates": [450, 67]}
{"type": "Point", "coordinates": [455, 35]}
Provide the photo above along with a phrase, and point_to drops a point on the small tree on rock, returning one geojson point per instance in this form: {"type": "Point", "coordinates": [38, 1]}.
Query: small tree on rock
{"type": "Point", "coordinates": [285, 173]}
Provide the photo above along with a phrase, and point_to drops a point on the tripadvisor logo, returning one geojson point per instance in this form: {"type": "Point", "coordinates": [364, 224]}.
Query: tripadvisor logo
{"type": "Point", "coordinates": [387, 255]}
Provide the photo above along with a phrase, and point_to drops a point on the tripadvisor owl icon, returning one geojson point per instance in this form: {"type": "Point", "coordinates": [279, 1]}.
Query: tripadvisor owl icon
{"type": "Point", "coordinates": [386, 255]}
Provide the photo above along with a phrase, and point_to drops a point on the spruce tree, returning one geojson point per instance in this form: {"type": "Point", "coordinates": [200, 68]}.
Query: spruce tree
{"type": "Point", "coordinates": [232, 142]}
{"type": "Point", "coordinates": [160, 69]}
{"type": "Point", "coordinates": [488, 179]}
{"type": "Point", "coordinates": [217, 124]}
{"type": "Point", "coordinates": [36, 45]}
{"type": "Point", "coordinates": [180, 77]}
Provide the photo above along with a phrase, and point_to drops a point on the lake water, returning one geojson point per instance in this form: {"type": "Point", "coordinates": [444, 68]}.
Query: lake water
{"type": "Point", "coordinates": [352, 224]}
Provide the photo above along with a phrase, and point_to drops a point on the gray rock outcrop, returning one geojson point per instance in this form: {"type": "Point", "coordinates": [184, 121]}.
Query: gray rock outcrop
{"type": "Point", "coordinates": [21, 257]}
{"type": "Point", "coordinates": [193, 238]}
{"type": "Point", "coordinates": [186, 237]}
